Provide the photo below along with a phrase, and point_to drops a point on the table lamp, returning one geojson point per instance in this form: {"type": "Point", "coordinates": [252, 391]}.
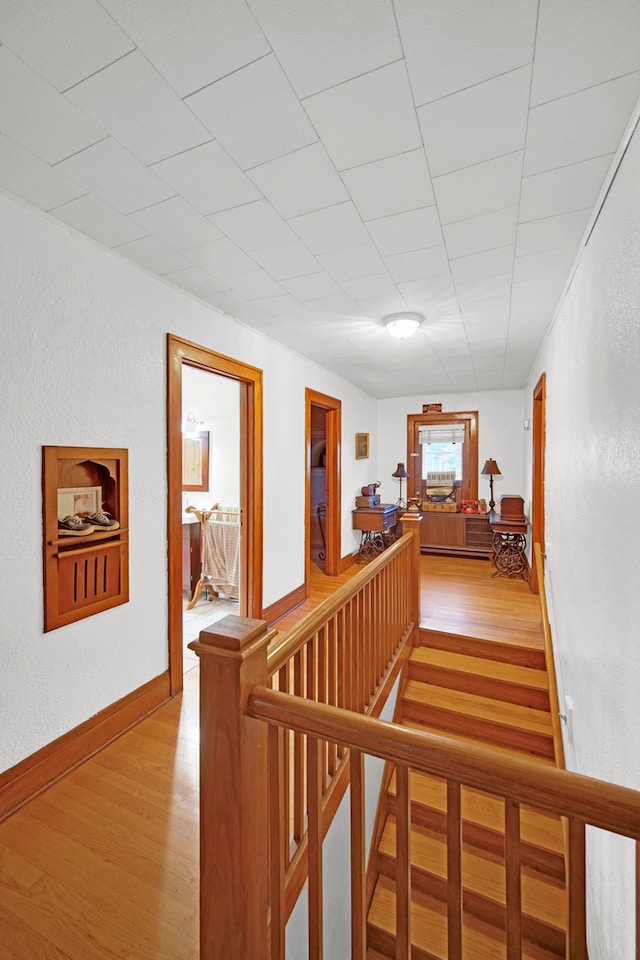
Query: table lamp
{"type": "Point", "coordinates": [491, 470]}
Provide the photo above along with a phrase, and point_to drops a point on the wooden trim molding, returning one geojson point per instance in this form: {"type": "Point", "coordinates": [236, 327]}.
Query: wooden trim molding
{"type": "Point", "coordinates": [284, 605]}
{"type": "Point", "coordinates": [35, 773]}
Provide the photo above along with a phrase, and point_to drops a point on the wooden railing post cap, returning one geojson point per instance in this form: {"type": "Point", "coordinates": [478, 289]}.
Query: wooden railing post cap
{"type": "Point", "coordinates": [233, 635]}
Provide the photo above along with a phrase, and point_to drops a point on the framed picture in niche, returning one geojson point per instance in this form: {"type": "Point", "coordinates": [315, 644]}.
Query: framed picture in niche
{"type": "Point", "coordinates": [362, 446]}
{"type": "Point", "coordinates": [195, 460]}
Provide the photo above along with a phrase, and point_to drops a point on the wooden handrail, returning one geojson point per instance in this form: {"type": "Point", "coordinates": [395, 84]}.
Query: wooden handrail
{"type": "Point", "coordinates": [596, 802]}
{"type": "Point", "coordinates": [554, 706]}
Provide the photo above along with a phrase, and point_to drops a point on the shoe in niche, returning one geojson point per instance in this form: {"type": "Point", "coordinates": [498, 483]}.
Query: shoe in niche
{"type": "Point", "coordinates": [101, 520]}
{"type": "Point", "coordinates": [74, 527]}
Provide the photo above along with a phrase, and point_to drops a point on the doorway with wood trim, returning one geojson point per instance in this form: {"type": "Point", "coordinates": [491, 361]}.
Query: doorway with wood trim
{"type": "Point", "coordinates": [323, 439]}
{"type": "Point", "coordinates": [181, 353]}
{"type": "Point", "coordinates": [537, 457]}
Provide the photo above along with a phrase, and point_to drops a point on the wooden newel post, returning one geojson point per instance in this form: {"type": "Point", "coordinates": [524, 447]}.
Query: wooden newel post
{"type": "Point", "coordinates": [233, 791]}
{"type": "Point", "coordinates": [411, 524]}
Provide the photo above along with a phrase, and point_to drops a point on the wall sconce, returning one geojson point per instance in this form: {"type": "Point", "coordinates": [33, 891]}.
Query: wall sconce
{"type": "Point", "coordinates": [402, 325]}
{"type": "Point", "coordinates": [190, 424]}
{"type": "Point", "coordinates": [401, 475]}
{"type": "Point", "coordinates": [491, 470]}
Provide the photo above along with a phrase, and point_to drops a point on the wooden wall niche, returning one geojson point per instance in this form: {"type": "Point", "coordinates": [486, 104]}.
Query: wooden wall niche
{"type": "Point", "coordinates": [85, 574]}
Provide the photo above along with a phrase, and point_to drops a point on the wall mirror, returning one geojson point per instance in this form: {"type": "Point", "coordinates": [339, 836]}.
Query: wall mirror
{"type": "Point", "coordinates": [195, 460]}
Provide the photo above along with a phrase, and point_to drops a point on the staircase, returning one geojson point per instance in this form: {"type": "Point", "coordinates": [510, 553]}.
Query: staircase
{"type": "Point", "coordinates": [492, 695]}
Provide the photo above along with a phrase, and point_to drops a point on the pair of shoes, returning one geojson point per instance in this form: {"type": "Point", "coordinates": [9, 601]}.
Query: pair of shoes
{"type": "Point", "coordinates": [80, 526]}
{"type": "Point", "coordinates": [74, 527]}
{"type": "Point", "coordinates": [101, 520]}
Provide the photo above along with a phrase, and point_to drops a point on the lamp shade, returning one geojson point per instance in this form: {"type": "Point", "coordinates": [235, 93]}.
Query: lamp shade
{"type": "Point", "coordinates": [400, 472]}
{"type": "Point", "coordinates": [402, 325]}
{"type": "Point", "coordinates": [490, 469]}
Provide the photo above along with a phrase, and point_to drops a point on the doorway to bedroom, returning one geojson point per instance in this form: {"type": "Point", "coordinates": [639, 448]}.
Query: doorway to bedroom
{"type": "Point", "coordinates": [190, 444]}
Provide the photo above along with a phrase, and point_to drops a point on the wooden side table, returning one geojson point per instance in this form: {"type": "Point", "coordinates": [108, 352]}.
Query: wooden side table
{"type": "Point", "coordinates": [509, 547]}
{"type": "Point", "coordinates": [377, 527]}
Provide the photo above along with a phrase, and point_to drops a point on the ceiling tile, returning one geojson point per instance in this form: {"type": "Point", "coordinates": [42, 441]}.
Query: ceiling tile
{"type": "Point", "coordinates": [287, 260]}
{"type": "Point", "coordinates": [322, 44]}
{"type": "Point", "coordinates": [486, 232]}
{"type": "Point", "coordinates": [351, 262]}
{"type": "Point", "coordinates": [193, 42]}
{"type": "Point", "coordinates": [379, 307]}
{"type": "Point", "coordinates": [222, 258]}
{"type": "Point", "coordinates": [402, 232]}
{"type": "Point", "coordinates": [300, 182]}
{"type": "Point", "coordinates": [368, 118]}
{"type": "Point", "coordinates": [437, 290]}
{"type": "Point", "coordinates": [537, 289]}
{"type": "Point", "coordinates": [323, 229]}
{"type": "Point", "coordinates": [334, 306]}
{"type": "Point", "coordinates": [72, 40]}
{"type": "Point", "coordinates": [584, 125]}
{"type": "Point", "coordinates": [253, 225]}
{"type": "Point", "coordinates": [547, 264]}
{"type": "Point", "coordinates": [581, 43]}
{"type": "Point", "coordinates": [154, 255]}
{"type": "Point", "coordinates": [195, 281]}
{"type": "Point", "coordinates": [476, 124]}
{"type": "Point", "coordinates": [564, 189]}
{"type": "Point", "coordinates": [37, 117]}
{"type": "Point", "coordinates": [254, 284]}
{"type": "Point", "coordinates": [452, 46]}
{"type": "Point", "coordinates": [370, 287]}
{"type": "Point", "coordinates": [551, 233]}
{"type": "Point", "coordinates": [115, 176]}
{"type": "Point", "coordinates": [495, 310]}
{"type": "Point", "coordinates": [391, 185]}
{"type": "Point", "coordinates": [208, 178]}
{"type": "Point", "coordinates": [281, 306]}
{"type": "Point", "coordinates": [479, 189]}
{"type": "Point", "coordinates": [488, 288]}
{"type": "Point", "coordinates": [478, 266]}
{"type": "Point", "coordinates": [99, 220]}
{"type": "Point", "coordinates": [30, 178]}
{"type": "Point", "coordinates": [312, 287]}
{"type": "Point", "coordinates": [418, 264]}
{"type": "Point", "coordinates": [177, 223]}
{"type": "Point", "coordinates": [139, 109]}
{"type": "Point", "coordinates": [235, 306]}
{"type": "Point", "coordinates": [273, 120]}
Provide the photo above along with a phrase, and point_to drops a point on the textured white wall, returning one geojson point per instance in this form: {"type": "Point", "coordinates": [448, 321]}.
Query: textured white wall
{"type": "Point", "coordinates": [500, 436]}
{"type": "Point", "coordinates": [215, 401]}
{"type": "Point", "coordinates": [592, 492]}
{"type": "Point", "coordinates": [83, 363]}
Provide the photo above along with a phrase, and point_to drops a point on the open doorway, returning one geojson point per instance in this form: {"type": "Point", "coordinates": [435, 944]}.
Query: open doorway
{"type": "Point", "coordinates": [181, 354]}
{"type": "Point", "coordinates": [537, 487]}
{"type": "Point", "coordinates": [323, 431]}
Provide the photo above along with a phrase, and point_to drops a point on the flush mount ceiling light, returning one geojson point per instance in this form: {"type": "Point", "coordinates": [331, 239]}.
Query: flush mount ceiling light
{"type": "Point", "coordinates": [402, 325]}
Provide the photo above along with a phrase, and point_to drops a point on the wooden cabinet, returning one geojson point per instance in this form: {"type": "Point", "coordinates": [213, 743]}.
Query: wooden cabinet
{"type": "Point", "coordinates": [190, 556]}
{"type": "Point", "coordinates": [87, 571]}
{"type": "Point", "coordinates": [457, 533]}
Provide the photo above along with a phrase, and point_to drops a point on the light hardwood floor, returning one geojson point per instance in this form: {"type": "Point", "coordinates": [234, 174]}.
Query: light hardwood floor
{"type": "Point", "coordinates": [104, 864]}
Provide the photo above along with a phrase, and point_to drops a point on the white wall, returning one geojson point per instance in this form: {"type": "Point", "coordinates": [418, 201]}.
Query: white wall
{"type": "Point", "coordinates": [83, 364]}
{"type": "Point", "coordinates": [215, 402]}
{"type": "Point", "coordinates": [500, 436]}
{"type": "Point", "coordinates": [592, 363]}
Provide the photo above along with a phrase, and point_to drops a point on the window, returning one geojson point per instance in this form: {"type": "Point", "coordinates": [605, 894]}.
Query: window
{"type": "Point", "coordinates": [442, 444]}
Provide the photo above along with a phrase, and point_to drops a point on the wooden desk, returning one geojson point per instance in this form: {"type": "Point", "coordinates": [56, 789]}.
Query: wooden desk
{"type": "Point", "coordinates": [377, 527]}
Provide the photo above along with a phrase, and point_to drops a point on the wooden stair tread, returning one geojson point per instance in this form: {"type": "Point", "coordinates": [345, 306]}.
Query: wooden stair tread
{"type": "Point", "coordinates": [429, 926]}
{"type": "Point", "coordinates": [476, 742]}
{"type": "Point", "coordinates": [536, 827]}
{"type": "Point", "coordinates": [482, 708]}
{"type": "Point", "coordinates": [526, 654]}
{"type": "Point", "coordinates": [542, 900]}
{"type": "Point", "coordinates": [481, 666]}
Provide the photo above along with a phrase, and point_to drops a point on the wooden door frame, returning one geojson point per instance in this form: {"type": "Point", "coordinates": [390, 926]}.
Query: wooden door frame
{"type": "Point", "coordinates": [538, 467]}
{"type": "Point", "coordinates": [179, 353]}
{"type": "Point", "coordinates": [333, 517]}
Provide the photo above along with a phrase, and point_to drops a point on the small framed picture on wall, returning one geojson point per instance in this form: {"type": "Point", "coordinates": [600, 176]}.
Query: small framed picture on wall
{"type": "Point", "coordinates": [362, 446]}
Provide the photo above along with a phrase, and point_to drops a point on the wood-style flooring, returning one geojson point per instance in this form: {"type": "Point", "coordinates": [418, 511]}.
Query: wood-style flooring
{"type": "Point", "coordinates": [104, 864]}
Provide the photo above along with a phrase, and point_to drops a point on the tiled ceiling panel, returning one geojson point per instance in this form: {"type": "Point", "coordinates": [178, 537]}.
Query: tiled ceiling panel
{"type": "Point", "coordinates": [308, 168]}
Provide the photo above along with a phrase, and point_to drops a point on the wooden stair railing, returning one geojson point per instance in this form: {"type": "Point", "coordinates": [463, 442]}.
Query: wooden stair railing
{"type": "Point", "coordinates": [337, 656]}
{"type": "Point", "coordinates": [582, 800]}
